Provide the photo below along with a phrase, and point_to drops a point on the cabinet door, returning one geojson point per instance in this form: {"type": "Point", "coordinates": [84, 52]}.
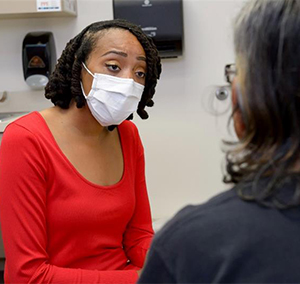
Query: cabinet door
{"type": "Point", "coordinates": [16, 7]}
{"type": "Point", "coordinates": [37, 8]}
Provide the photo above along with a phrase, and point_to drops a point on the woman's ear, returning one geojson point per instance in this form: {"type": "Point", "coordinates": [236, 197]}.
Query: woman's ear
{"type": "Point", "coordinates": [238, 122]}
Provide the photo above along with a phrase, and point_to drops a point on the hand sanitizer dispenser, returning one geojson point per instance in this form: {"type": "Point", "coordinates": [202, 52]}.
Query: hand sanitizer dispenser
{"type": "Point", "coordinates": [160, 19]}
{"type": "Point", "coordinates": [39, 58]}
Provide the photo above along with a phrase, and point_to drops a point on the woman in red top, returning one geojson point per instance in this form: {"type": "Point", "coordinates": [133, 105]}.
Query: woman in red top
{"type": "Point", "coordinates": [73, 200]}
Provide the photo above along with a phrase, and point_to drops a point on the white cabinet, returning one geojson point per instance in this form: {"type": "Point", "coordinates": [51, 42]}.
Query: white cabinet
{"type": "Point", "coordinates": [37, 8]}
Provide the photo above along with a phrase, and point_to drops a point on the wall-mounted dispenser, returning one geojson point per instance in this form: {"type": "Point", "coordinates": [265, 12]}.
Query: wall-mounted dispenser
{"type": "Point", "coordinates": [160, 19]}
{"type": "Point", "coordinates": [39, 58]}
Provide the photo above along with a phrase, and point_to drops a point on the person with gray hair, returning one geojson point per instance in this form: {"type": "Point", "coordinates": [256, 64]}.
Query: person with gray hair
{"type": "Point", "coordinates": [249, 234]}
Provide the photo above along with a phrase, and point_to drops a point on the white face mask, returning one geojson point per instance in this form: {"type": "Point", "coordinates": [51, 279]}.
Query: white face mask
{"type": "Point", "coordinates": [112, 99]}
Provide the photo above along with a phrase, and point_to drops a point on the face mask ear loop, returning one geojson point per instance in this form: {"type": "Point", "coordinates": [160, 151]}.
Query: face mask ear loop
{"type": "Point", "coordinates": [83, 90]}
{"type": "Point", "coordinates": [88, 70]}
{"type": "Point", "coordinates": [81, 82]}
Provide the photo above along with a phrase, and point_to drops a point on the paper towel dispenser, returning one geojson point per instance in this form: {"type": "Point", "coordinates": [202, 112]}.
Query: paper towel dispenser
{"type": "Point", "coordinates": [160, 19]}
{"type": "Point", "coordinates": [39, 58]}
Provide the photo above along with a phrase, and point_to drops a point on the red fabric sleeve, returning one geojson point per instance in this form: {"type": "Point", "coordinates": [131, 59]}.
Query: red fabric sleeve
{"type": "Point", "coordinates": [139, 233]}
{"type": "Point", "coordinates": [23, 177]}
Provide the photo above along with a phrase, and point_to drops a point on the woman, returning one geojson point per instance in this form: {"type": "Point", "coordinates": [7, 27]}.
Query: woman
{"type": "Point", "coordinates": [249, 234]}
{"type": "Point", "coordinates": [73, 199]}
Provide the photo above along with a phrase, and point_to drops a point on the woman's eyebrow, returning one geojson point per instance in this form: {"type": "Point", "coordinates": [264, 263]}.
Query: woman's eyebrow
{"type": "Point", "coordinates": [143, 58]}
{"type": "Point", "coordinates": [115, 52]}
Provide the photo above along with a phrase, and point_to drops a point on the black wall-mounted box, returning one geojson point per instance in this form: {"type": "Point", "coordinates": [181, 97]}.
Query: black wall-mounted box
{"type": "Point", "coordinates": [39, 58]}
{"type": "Point", "coordinates": [160, 19]}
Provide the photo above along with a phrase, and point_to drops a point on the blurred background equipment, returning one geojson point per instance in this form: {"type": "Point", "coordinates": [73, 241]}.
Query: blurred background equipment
{"type": "Point", "coordinates": [39, 58]}
{"type": "Point", "coordinates": [160, 19]}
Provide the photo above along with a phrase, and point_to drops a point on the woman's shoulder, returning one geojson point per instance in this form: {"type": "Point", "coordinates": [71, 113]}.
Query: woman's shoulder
{"type": "Point", "coordinates": [128, 126]}
{"type": "Point", "coordinates": [193, 216]}
{"type": "Point", "coordinates": [23, 135]}
{"type": "Point", "coordinates": [129, 130]}
{"type": "Point", "coordinates": [215, 234]}
{"type": "Point", "coordinates": [130, 137]}
{"type": "Point", "coordinates": [29, 122]}
{"type": "Point", "coordinates": [29, 126]}
{"type": "Point", "coordinates": [223, 216]}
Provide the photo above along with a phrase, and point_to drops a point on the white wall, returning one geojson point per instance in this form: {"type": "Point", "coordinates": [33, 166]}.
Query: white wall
{"type": "Point", "coordinates": [181, 139]}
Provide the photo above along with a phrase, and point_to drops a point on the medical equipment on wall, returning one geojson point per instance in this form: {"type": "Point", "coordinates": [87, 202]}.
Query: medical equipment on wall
{"type": "Point", "coordinates": [39, 58]}
{"type": "Point", "coordinates": [160, 19]}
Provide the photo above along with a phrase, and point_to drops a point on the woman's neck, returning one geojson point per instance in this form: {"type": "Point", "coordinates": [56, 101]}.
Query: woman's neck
{"type": "Point", "coordinates": [81, 121]}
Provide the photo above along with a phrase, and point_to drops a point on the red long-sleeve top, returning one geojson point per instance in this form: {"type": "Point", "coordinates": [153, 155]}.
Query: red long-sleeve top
{"type": "Point", "coordinates": [60, 228]}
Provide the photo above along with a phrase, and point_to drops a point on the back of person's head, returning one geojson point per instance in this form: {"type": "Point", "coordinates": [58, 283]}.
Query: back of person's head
{"type": "Point", "coordinates": [267, 44]}
{"type": "Point", "coordinates": [64, 84]}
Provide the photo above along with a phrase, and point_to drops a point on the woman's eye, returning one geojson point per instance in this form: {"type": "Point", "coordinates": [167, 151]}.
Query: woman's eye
{"type": "Point", "coordinates": [113, 67]}
{"type": "Point", "coordinates": [141, 74]}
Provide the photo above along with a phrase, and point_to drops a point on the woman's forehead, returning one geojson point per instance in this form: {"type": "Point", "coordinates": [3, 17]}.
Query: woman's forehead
{"type": "Point", "coordinates": [118, 39]}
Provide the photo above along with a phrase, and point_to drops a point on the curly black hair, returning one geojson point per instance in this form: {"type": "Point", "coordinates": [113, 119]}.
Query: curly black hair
{"type": "Point", "coordinates": [64, 82]}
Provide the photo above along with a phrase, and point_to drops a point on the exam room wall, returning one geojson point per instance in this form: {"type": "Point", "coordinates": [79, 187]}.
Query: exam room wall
{"type": "Point", "coordinates": [181, 139]}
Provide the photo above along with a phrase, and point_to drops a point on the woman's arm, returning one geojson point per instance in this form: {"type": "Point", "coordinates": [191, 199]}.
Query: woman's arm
{"type": "Point", "coordinates": [139, 232]}
{"type": "Point", "coordinates": [23, 201]}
